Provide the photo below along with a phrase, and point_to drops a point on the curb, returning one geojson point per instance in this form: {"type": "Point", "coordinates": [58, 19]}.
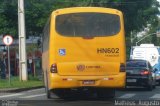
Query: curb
{"type": "Point", "coordinates": [13, 90]}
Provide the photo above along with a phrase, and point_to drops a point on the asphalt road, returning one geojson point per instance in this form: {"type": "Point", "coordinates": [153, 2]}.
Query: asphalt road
{"type": "Point", "coordinates": [128, 97]}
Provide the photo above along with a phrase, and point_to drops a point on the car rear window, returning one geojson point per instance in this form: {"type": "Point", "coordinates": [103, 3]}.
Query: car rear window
{"type": "Point", "coordinates": [136, 64]}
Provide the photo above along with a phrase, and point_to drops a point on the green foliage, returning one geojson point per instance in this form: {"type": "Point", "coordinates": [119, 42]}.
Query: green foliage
{"type": "Point", "coordinates": [8, 17]}
{"type": "Point", "coordinates": [16, 83]}
{"type": "Point", "coordinates": [137, 13]}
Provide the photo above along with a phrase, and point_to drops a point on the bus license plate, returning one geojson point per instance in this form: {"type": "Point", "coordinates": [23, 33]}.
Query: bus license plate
{"type": "Point", "coordinates": [88, 82]}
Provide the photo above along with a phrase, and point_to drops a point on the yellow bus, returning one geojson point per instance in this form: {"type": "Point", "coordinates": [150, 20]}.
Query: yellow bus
{"type": "Point", "coordinates": [84, 48]}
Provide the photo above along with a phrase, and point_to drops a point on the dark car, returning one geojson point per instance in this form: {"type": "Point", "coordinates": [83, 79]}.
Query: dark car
{"type": "Point", "coordinates": [140, 73]}
{"type": "Point", "coordinates": [157, 72]}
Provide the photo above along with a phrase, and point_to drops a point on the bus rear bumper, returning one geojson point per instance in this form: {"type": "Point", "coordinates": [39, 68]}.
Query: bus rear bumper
{"type": "Point", "coordinates": [111, 81]}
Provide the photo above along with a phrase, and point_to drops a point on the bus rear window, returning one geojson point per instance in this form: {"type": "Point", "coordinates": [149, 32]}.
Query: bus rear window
{"type": "Point", "coordinates": [87, 24]}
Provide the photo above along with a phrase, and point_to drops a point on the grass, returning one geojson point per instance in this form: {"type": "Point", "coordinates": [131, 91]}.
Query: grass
{"type": "Point", "coordinates": [16, 83]}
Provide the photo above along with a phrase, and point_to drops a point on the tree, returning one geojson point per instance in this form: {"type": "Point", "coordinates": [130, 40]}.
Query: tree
{"type": "Point", "coordinates": [8, 17]}
{"type": "Point", "coordinates": [137, 13]}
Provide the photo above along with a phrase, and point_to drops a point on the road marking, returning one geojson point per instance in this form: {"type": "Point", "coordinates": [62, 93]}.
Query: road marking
{"type": "Point", "coordinates": [156, 96]}
{"type": "Point", "coordinates": [32, 96]}
{"type": "Point", "coordinates": [11, 95]}
{"type": "Point", "coordinates": [127, 96]}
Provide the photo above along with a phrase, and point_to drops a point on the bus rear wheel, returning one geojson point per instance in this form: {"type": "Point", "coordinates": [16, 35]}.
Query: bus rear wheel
{"type": "Point", "coordinates": [48, 94]}
{"type": "Point", "coordinates": [105, 93]}
{"type": "Point", "coordinates": [63, 93]}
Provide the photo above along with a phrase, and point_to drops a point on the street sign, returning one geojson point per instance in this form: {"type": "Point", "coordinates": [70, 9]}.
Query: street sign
{"type": "Point", "coordinates": [7, 40]}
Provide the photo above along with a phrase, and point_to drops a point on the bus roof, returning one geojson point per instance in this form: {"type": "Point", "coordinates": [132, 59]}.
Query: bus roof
{"type": "Point", "coordinates": [87, 9]}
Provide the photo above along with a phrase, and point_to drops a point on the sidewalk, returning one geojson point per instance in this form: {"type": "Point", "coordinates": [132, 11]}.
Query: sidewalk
{"type": "Point", "coordinates": [12, 90]}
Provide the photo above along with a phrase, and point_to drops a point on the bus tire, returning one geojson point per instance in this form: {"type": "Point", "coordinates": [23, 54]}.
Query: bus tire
{"type": "Point", "coordinates": [105, 93]}
{"type": "Point", "coordinates": [48, 94]}
{"type": "Point", "coordinates": [63, 93]}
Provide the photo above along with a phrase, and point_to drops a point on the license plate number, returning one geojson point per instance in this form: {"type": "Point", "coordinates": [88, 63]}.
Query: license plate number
{"type": "Point", "coordinates": [88, 82]}
{"type": "Point", "coordinates": [131, 80]}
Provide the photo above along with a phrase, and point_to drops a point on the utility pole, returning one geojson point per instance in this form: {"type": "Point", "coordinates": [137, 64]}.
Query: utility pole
{"type": "Point", "coordinates": [22, 42]}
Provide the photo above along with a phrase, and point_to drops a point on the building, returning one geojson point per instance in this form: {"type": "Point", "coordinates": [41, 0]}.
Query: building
{"type": "Point", "coordinates": [33, 55]}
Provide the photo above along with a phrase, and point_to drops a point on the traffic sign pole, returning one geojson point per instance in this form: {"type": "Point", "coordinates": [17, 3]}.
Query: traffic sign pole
{"type": "Point", "coordinates": [9, 69]}
{"type": "Point", "coordinates": [8, 40]}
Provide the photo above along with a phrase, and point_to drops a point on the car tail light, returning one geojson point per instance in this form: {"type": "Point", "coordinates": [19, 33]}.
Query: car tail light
{"type": "Point", "coordinates": [145, 72]}
{"type": "Point", "coordinates": [122, 67]}
{"type": "Point", "coordinates": [53, 68]}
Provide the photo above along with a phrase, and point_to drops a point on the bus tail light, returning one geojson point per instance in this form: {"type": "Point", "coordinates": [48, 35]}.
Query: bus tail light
{"type": "Point", "coordinates": [122, 67]}
{"type": "Point", "coordinates": [53, 68]}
